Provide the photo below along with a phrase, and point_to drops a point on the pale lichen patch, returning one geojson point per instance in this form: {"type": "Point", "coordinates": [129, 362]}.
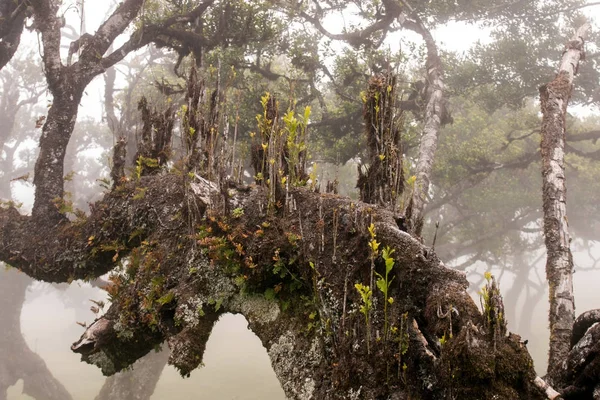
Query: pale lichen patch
{"type": "Point", "coordinates": [255, 308]}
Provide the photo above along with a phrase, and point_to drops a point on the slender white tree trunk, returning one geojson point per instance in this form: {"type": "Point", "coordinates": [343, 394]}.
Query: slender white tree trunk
{"type": "Point", "coordinates": [434, 110]}
{"type": "Point", "coordinates": [554, 98]}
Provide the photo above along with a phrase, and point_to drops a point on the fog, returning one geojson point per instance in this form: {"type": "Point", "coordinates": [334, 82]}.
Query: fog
{"type": "Point", "coordinates": [235, 364]}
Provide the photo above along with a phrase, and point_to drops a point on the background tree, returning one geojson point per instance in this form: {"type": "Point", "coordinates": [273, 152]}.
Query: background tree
{"type": "Point", "coordinates": [205, 31]}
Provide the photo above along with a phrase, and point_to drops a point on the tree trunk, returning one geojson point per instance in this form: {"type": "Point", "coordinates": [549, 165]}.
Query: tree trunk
{"type": "Point", "coordinates": [297, 267]}
{"type": "Point", "coordinates": [12, 22]}
{"type": "Point", "coordinates": [554, 98]}
{"type": "Point", "coordinates": [434, 112]}
{"type": "Point", "coordinates": [49, 168]}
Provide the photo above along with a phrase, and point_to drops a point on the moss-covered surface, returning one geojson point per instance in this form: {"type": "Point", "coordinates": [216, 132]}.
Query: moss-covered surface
{"type": "Point", "coordinates": [292, 274]}
{"type": "Point", "coordinates": [347, 304]}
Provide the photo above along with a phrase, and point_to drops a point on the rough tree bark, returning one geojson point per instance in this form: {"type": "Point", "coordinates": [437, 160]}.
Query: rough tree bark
{"type": "Point", "coordinates": [12, 22]}
{"type": "Point", "coordinates": [67, 83]}
{"type": "Point", "coordinates": [322, 356]}
{"type": "Point", "coordinates": [435, 104]}
{"type": "Point", "coordinates": [554, 99]}
{"type": "Point", "coordinates": [574, 356]}
{"type": "Point", "coordinates": [188, 250]}
{"type": "Point", "coordinates": [194, 252]}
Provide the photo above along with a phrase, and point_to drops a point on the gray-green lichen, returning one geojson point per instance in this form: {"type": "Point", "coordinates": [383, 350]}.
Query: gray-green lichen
{"type": "Point", "coordinates": [103, 362]}
{"type": "Point", "coordinates": [354, 394]}
{"type": "Point", "coordinates": [122, 331]}
{"type": "Point", "coordinates": [294, 366]}
{"type": "Point", "coordinates": [255, 308]}
{"type": "Point", "coordinates": [190, 312]}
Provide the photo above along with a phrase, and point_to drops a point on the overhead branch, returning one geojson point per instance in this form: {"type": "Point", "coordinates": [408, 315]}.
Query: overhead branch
{"type": "Point", "coordinates": [510, 139]}
{"type": "Point", "coordinates": [110, 29]}
{"type": "Point", "coordinates": [362, 36]}
{"type": "Point", "coordinates": [163, 34]}
{"type": "Point", "coordinates": [475, 246]}
{"type": "Point", "coordinates": [592, 155]}
{"type": "Point", "coordinates": [267, 72]}
{"type": "Point", "coordinates": [590, 135]}
{"type": "Point", "coordinates": [479, 174]}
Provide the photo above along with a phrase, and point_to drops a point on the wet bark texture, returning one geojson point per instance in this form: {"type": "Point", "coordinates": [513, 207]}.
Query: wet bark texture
{"type": "Point", "coordinates": [583, 362]}
{"type": "Point", "coordinates": [296, 264]}
{"type": "Point", "coordinates": [554, 99]}
{"type": "Point", "coordinates": [66, 83]}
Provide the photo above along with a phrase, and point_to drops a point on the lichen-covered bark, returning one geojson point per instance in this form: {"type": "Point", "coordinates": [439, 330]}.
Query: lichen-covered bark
{"type": "Point", "coordinates": [189, 263]}
{"type": "Point", "coordinates": [295, 263]}
{"type": "Point", "coordinates": [68, 82]}
{"type": "Point", "coordinates": [583, 366]}
{"type": "Point", "coordinates": [91, 247]}
{"type": "Point", "coordinates": [49, 167]}
{"type": "Point", "coordinates": [554, 98]}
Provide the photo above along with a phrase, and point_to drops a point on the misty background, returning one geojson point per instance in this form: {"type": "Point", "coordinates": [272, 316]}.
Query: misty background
{"type": "Point", "coordinates": [236, 365]}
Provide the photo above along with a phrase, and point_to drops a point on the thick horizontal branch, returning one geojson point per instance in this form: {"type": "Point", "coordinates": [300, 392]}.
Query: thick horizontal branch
{"type": "Point", "coordinates": [90, 247]}
{"type": "Point", "coordinates": [194, 254]}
